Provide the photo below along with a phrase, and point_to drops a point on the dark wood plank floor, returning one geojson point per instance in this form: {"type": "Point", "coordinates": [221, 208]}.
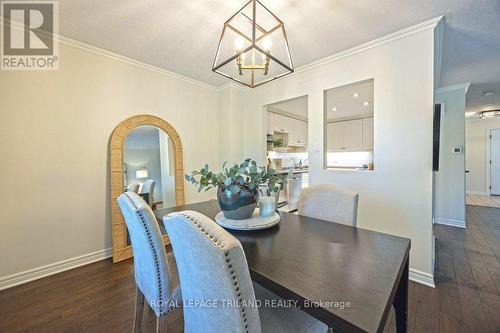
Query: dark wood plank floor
{"type": "Point", "coordinates": [100, 297]}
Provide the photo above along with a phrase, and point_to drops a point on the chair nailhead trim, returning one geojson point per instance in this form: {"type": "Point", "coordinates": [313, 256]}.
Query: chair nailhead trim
{"type": "Point", "coordinates": [229, 266]}
{"type": "Point", "coordinates": [155, 254]}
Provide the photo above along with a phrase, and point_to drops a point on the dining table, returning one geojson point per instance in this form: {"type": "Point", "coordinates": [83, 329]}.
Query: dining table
{"type": "Point", "coordinates": [344, 276]}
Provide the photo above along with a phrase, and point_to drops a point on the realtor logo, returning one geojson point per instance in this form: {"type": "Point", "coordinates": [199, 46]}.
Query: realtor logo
{"type": "Point", "coordinates": [28, 30]}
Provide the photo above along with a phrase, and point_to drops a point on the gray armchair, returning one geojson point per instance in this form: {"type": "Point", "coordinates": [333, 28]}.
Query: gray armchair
{"type": "Point", "coordinates": [148, 187]}
{"type": "Point", "coordinates": [213, 271]}
{"type": "Point", "coordinates": [134, 187]}
{"type": "Point", "coordinates": [155, 271]}
{"type": "Point", "coordinates": [329, 202]}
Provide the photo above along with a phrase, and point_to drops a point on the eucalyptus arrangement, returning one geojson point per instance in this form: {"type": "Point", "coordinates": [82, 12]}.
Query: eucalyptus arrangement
{"type": "Point", "coordinates": [238, 185]}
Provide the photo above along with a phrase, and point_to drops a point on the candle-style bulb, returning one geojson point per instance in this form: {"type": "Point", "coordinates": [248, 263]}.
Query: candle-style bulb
{"type": "Point", "coordinates": [267, 43]}
{"type": "Point", "coordinates": [239, 44]}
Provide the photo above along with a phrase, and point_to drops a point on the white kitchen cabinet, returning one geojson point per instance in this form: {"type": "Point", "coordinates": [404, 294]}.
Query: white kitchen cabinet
{"type": "Point", "coordinates": [296, 129]}
{"type": "Point", "coordinates": [353, 134]}
{"type": "Point", "coordinates": [345, 135]}
{"type": "Point", "coordinates": [335, 136]}
{"type": "Point", "coordinates": [281, 123]}
{"type": "Point", "coordinates": [368, 133]}
{"type": "Point", "coordinates": [298, 133]}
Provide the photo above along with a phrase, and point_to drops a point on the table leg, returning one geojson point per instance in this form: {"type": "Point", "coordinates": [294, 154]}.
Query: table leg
{"type": "Point", "coordinates": [401, 302]}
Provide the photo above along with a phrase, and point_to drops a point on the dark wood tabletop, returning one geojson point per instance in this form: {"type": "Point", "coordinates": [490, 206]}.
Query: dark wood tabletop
{"type": "Point", "coordinates": [318, 263]}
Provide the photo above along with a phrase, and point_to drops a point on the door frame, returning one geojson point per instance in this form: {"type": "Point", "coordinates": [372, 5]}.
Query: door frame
{"type": "Point", "coordinates": [488, 158]}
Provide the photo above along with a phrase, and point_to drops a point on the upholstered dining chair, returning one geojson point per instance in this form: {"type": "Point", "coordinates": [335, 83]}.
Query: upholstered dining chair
{"type": "Point", "coordinates": [134, 187]}
{"type": "Point", "coordinates": [213, 270]}
{"type": "Point", "coordinates": [148, 188]}
{"type": "Point", "coordinates": [155, 271]}
{"type": "Point", "coordinates": [329, 202]}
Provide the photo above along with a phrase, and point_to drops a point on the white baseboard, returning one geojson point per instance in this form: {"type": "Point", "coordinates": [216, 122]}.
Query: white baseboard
{"type": "Point", "coordinates": [450, 222]}
{"type": "Point", "coordinates": [477, 193]}
{"type": "Point", "coordinates": [422, 278]}
{"type": "Point", "coordinates": [57, 267]}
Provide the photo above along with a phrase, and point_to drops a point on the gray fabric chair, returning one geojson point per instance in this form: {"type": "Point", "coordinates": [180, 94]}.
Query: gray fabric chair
{"type": "Point", "coordinates": [134, 187]}
{"type": "Point", "coordinates": [148, 187]}
{"type": "Point", "coordinates": [329, 202]}
{"type": "Point", "coordinates": [213, 270]}
{"type": "Point", "coordinates": [155, 271]}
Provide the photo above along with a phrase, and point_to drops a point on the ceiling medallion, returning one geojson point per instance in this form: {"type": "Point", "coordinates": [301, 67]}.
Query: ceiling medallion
{"type": "Point", "coordinates": [253, 47]}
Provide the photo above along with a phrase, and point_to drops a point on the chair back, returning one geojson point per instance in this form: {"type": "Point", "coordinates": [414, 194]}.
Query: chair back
{"type": "Point", "coordinates": [134, 187]}
{"type": "Point", "coordinates": [329, 202]}
{"type": "Point", "coordinates": [151, 270]}
{"type": "Point", "coordinates": [212, 268]}
{"type": "Point", "coordinates": [148, 187]}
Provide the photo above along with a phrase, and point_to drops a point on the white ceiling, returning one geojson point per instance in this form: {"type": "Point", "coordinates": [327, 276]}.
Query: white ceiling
{"type": "Point", "coordinates": [346, 104]}
{"type": "Point", "coordinates": [341, 98]}
{"type": "Point", "coordinates": [295, 107]}
{"type": "Point", "coordinates": [182, 36]}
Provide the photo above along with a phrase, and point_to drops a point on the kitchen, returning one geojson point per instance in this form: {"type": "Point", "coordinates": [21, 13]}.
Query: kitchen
{"type": "Point", "coordinates": [348, 118]}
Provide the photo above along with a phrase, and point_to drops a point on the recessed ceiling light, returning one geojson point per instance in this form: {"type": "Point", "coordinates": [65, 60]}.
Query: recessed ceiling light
{"type": "Point", "coordinates": [469, 114]}
{"type": "Point", "coordinates": [355, 95]}
{"type": "Point", "coordinates": [366, 103]}
{"type": "Point", "coordinates": [334, 109]}
{"type": "Point", "coordinates": [489, 93]}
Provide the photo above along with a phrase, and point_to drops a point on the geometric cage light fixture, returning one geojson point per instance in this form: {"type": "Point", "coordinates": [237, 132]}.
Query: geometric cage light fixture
{"type": "Point", "coordinates": [253, 47]}
{"type": "Point", "coordinates": [489, 114]}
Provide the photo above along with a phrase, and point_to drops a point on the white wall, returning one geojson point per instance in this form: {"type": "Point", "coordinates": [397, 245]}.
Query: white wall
{"type": "Point", "coordinates": [449, 181]}
{"type": "Point", "coordinates": [231, 118]}
{"type": "Point", "coordinates": [55, 128]}
{"type": "Point", "coordinates": [477, 131]}
{"type": "Point", "coordinates": [396, 198]}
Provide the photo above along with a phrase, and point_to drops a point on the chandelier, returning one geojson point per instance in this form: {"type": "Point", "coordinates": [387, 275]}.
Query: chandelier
{"type": "Point", "coordinates": [253, 47]}
{"type": "Point", "coordinates": [489, 114]}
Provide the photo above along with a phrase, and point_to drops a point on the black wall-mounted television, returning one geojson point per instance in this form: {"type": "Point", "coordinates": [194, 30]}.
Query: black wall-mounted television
{"type": "Point", "coordinates": [435, 139]}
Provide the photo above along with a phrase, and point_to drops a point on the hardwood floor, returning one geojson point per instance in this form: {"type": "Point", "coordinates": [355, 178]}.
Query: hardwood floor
{"type": "Point", "coordinates": [100, 297]}
{"type": "Point", "coordinates": [483, 200]}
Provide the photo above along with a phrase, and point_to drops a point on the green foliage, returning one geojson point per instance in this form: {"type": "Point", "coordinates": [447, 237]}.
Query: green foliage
{"type": "Point", "coordinates": [245, 175]}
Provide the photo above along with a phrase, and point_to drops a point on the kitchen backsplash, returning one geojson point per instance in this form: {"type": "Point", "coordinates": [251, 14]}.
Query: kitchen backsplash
{"type": "Point", "coordinates": [288, 160]}
{"type": "Point", "coordinates": [349, 159]}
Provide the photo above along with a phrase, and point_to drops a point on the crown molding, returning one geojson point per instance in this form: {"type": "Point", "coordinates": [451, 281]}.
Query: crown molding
{"type": "Point", "coordinates": [429, 24]}
{"type": "Point", "coordinates": [462, 86]}
{"type": "Point", "coordinates": [131, 61]}
{"type": "Point", "coordinates": [231, 84]}
{"type": "Point", "coordinates": [109, 54]}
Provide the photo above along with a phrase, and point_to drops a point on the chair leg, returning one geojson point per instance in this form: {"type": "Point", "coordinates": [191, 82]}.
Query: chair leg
{"type": "Point", "coordinates": [139, 309]}
{"type": "Point", "coordinates": [171, 319]}
{"type": "Point", "coordinates": [161, 324]}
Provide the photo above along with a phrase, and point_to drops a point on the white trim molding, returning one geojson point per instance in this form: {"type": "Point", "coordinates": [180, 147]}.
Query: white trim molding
{"type": "Point", "coordinates": [429, 24]}
{"type": "Point", "coordinates": [423, 278]}
{"type": "Point", "coordinates": [97, 50]}
{"type": "Point", "coordinates": [51, 269]}
{"type": "Point", "coordinates": [462, 86]}
{"type": "Point", "coordinates": [450, 222]}
{"type": "Point", "coordinates": [477, 193]}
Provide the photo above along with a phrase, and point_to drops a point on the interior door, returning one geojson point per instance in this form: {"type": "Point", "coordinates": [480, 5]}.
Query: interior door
{"type": "Point", "coordinates": [495, 161]}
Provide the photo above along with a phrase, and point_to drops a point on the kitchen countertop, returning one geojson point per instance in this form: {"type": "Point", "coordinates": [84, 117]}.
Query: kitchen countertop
{"type": "Point", "coordinates": [305, 170]}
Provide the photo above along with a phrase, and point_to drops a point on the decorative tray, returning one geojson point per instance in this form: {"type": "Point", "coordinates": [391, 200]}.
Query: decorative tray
{"type": "Point", "coordinates": [256, 222]}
